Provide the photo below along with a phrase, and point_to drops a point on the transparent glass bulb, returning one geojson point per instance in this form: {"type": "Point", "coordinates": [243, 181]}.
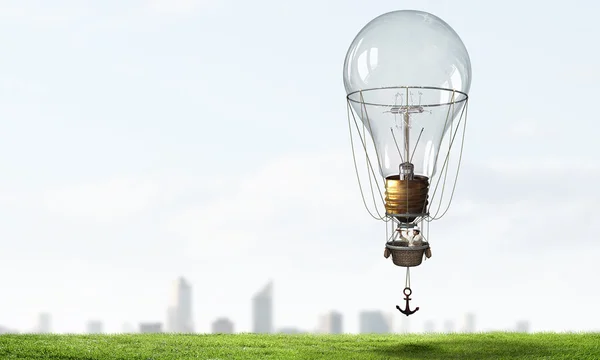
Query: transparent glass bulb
{"type": "Point", "coordinates": [407, 75]}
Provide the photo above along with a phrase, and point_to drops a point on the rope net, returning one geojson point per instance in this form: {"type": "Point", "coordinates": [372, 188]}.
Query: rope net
{"type": "Point", "coordinates": [375, 182]}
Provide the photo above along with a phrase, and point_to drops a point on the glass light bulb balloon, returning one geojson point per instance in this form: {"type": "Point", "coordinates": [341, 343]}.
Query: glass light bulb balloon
{"type": "Point", "coordinates": [407, 75]}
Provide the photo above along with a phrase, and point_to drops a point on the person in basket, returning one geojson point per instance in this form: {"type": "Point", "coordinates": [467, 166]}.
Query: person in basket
{"type": "Point", "coordinates": [416, 239]}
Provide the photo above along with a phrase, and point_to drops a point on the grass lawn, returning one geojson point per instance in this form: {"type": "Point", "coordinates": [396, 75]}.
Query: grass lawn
{"type": "Point", "coordinates": [254, 346]}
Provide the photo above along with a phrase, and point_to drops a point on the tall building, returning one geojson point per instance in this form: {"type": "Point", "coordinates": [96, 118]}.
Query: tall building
{"type": "Point", "coordinates": [330, 323]}
{"type": "Point", "coordinates": [94, 327]}
{"type": "Point", "coordinates": [449, 326]}
{"type": "Point", "coordinates": [179, 313]}
{"type": "Point", "coordinates": [44, 323]}
{"type": "Point", "coordinates": [468, 325]}
{"type": "Point", "coordinates": [171, 323]}
{"type": "Point", "coordinates": [222, 326]}
{"type": "Point", "coordinates": [262, 310]}
{"type": "Point", "coordinates": [522, 326]}
{"type": "Point", "coordinates": [373, 322]}
{"type": "Point", "coordinates": [150, 328]}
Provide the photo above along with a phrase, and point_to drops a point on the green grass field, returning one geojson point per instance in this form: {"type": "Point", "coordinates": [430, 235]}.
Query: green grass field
{"type": "Point", "coordinates": [252, 346]}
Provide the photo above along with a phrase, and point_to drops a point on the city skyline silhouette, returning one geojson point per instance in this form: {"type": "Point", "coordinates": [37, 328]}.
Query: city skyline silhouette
{"type": "Point", "coordinates": [178, 319]}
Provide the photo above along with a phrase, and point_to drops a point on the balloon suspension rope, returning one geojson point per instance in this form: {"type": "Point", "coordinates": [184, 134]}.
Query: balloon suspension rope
{"type": "Point", "coordinates": [407, 292]}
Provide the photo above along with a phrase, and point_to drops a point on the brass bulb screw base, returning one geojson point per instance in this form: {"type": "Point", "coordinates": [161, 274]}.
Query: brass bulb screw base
{"type": "Point", "coordinates": [406, 194]}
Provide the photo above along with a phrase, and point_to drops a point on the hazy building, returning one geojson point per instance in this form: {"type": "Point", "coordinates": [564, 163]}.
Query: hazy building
{"type": "Point", "coordinates": [262, 310]}
{"type": "Point", "coordinates": [468, 325]}
{"type": "Point", "coordinates": [171, 323]}
{"type": "Point", "coordinates": [5, 330]}
{"type": "Point", "coordinates": [522, 326]}
{"type": "Point", "coordinates": [179, 313]}
{"type": "Point", "coordinates": [127, 328]}
{"type": "Point", "coordinates": [149, 328]}
{"type": "Point", "coordinates": [373, 322]}
{"type": "Point", "coordinates": [449, 326]}
{"type": "Point", "coordinates": [429, 326]}
{"type": "Point", "coordinates": [290, 331]}
{"type": "Point", "coordinates": [404, 324]}
{"type": "Point", "coordinates": [44, 323]}
{"type": "Point", "coordinates": [94, 327]}
{"type": "Point", "coordinates": [330, 323]}
{"type": "Point", "coordinates": [222, 326]}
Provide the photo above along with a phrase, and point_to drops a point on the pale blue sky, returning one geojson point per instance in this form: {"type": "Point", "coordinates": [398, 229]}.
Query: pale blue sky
{"type": "Point", "coordinates": [144, 140]}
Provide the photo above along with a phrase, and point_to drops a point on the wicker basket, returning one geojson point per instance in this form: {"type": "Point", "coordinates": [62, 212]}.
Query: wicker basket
{"type": "Point", "coordinates": [403, 255]}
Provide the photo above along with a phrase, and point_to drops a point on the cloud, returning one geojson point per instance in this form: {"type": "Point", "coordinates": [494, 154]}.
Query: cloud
{"type": "Point", "coordinates": [539, 181]}
{"type": "Point", "coordinates": [529, 204]}
{"type": "Point", "coordinates": [120, 198]}
{"type": "Point", "coordinates": [181, 7]}
{"type": "Point", "coordinates": [103, 202]}
{"type": "Point", "coordinates": [101, 16]}
{"type": "Point", "coordinates": [545, 166]}
{"type": "Point", "coordinates": [300, 205]}
{"type": "Point", "coordinates": [313, 200]}
{"type": "Point", "coordinates": [299, 219]}
{"type": "Point", "coordinates": [12, 85]}
{"type": "Point", "coordinates": [38, 15]}
{"type": "Point", "coordinates": [524, 129]}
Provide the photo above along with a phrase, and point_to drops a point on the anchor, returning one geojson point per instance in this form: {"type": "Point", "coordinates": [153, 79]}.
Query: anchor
{"type": "Point", "coordinates": [407, 311]}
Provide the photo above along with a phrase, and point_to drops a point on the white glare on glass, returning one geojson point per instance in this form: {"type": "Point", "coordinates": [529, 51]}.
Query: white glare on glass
{"type": "Point", "coordinates": [413, 49]}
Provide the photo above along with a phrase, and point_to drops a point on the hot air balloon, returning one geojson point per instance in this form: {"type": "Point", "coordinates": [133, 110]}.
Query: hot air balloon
{"type": "Point", "coordinates": [407, 76]}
